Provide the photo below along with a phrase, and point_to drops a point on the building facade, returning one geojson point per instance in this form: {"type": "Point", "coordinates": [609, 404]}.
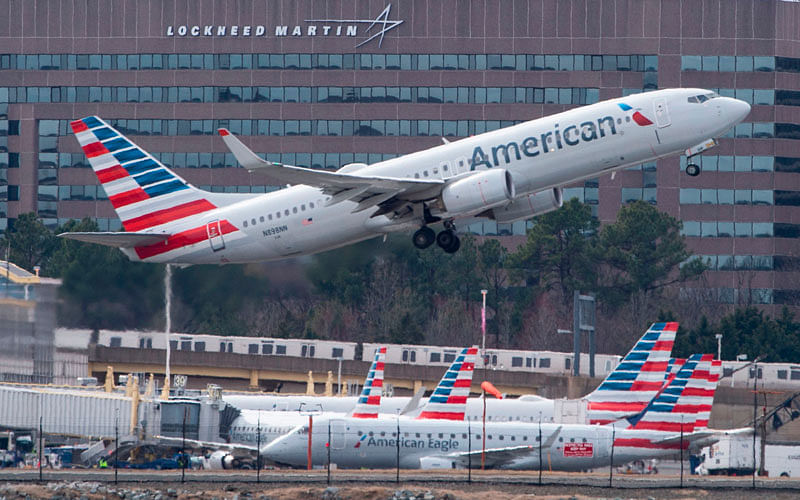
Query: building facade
{"type": "Point", "coordinates": [330, 82]}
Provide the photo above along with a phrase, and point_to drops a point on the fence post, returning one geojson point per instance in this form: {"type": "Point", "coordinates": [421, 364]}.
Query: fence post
{"type": "Point", "coordinates": [116, 445]}
{"type": "Point", "coordinates": [681, 451]}
{"type": "Point", "coordinates": [397, 441]}
{"type": "Point", "coordinates": [469, 450]}
{"type": "Point", "coordinates": [183, 445]}
{"type": "Point", "coordinates": [540, 450]}
{"type": "Point", "coordinates": [329, 451]}
{"type": "Point", "coordinates": [611, 465]}
{"type": "Point", "coordinates": [41, 450]}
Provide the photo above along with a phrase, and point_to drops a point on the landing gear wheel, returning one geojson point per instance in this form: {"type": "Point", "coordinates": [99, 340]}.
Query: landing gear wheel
{"type": "Point", "coordinates": [424, 237]}
{"type": "Point", "coordinates": [692, 170]}
{"type": "Point", "coordinates": [453, 248]}
{"type": "Point", "coordinates": [445, 238]}
{"type": "Point", "coordinates": [448, 240]}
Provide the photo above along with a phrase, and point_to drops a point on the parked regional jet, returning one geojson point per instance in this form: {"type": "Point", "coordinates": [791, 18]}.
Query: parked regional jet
{"type": "Point", "coordinates": [665, 426]}
{"type": "Point", "coordinates": [624, 392]}
{"type": "Point", "coordinates": [253, 428]}
{"type": "Point", "coordinates": [507, 175]}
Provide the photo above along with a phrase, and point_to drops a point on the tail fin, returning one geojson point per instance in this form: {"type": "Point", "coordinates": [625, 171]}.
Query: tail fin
{"type": "Point", "coordinates": [449, 399]}
{"type": "Point", "coordinates": [369, 402]}
{"type": "Point", "coordinates": [637, 379]}
{"type": "Point", "coordinates": [145, 194]}
{"type": "Point", "coordinates": [705, 394]}
{"type": "Point", "coordinates": [687, 396]}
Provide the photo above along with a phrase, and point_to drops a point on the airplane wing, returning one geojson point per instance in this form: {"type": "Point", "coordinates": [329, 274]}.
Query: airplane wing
{"type": "Point", "coordinates": [495, 457]}
{"type": "Point", "coordinates": [239, 449]}
{"type": "Point", "coordinates": [706, 437]}
{"type": "Point", "coordinates": [500, 456]}
{"type": "Point", "coordinates": [413, 403]}
{"type": "Point", "coordinates": [117, 240]}
{"type": "Point", "coordinates": [367, 190]}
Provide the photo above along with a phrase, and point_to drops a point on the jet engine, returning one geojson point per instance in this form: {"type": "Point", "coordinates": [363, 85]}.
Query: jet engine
{"type": "Point", "coordinates": [220, 460]}
{"type": "Point", "coordinates": [478, 192]}
{"type": "Point", "coordinates": [529, 205]}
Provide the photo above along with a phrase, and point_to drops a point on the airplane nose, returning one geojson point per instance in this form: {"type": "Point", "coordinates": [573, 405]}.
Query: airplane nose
{"type": "Point", "coordinates": [736, 110]}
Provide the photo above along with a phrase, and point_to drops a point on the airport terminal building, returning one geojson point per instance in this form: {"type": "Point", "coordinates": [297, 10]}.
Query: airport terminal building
{"type": "Point", "coordinates": [329, 82]}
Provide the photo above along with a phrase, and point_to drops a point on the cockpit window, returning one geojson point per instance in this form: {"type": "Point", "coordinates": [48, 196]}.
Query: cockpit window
{"type": "Point", "coordinates": [702, 97]}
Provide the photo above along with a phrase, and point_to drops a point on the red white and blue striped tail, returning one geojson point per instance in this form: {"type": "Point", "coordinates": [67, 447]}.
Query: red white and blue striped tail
{"type": "Point", "coordinates": [688, 396]}
{"type": "Point", "coordinates": [149, 197]}
{"type": "Point", "coordinates": [706, 397]}
{"type": "Point", "coordinates": [145, 194]}
{"type": "Point", "coordinates": [449, 399]}
{"type": "Point", "coordinates": [369, 402]}
{"type": "Point", "coordinates": [637, 379]}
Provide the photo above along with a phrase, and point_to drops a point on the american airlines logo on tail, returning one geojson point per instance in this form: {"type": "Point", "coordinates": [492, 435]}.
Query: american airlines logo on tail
{"type": "Point", "coordinates": [637, 379]}
{"type": "Point", "coordinates": [449, 399]}
{"type": "Point", "coordinates": [369, 402]}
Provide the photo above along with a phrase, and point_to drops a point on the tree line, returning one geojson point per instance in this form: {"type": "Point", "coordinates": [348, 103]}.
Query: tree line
{"type": "Point", "coordinates": [389, 291]}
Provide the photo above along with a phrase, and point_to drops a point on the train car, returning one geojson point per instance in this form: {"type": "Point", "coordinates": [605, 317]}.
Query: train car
{"type": "Point", "coordinates": [738, 374]}
{"type": "Point", "coordinates": [556, 363]}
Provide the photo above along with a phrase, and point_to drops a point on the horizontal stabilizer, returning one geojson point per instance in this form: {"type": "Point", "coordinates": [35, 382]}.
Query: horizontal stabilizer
{"type": "Point", "coordinates": [117, 240]}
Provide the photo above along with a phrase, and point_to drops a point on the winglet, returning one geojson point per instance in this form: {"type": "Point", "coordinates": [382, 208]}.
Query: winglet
{"type": "Point", "coordinates": [244, 155]}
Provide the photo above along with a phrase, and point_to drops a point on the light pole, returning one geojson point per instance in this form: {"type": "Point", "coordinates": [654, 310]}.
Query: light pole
{"type": "Point", "coordinates": [719, 346]}
{"type": "Point", "coordinates": [339, 377]}
{"type": "Point", "coordinates": [483, 324]}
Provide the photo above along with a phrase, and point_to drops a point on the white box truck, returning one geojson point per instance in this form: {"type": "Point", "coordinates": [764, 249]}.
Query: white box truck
{"type": "Point", "coordinates": [733, 456]}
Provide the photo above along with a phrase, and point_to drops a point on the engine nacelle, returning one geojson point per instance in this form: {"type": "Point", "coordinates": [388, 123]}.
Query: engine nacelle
{"type": "Point", "coordinates": [220, 460]}
{"type": "Point", "coordinates": [528, 206]}
{"type": "Point", "coordinates": [478, 192]}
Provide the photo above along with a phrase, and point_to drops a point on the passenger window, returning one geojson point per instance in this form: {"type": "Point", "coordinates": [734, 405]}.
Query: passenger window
{"type": "Point", "coordinates": [303, 207]}
{"type": "Point", "coordinates": [269, 216]}
{"type": "Point", "coordinates": [261, 219]}
{"type": "Point", "coordinates": [311, 205]}
{"type": "Point", "coordinates": [294, 210]}
{"type": "Point", "coordinates": [244, 223]}
{"type": "Point", "coordinates": [253, 221]}
{"type": "Point", "coordinates": [286, 212]}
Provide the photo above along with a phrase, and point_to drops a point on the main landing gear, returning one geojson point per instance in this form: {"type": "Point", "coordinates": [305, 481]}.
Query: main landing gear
{"type": "Point", "coordinates": [446, 239]}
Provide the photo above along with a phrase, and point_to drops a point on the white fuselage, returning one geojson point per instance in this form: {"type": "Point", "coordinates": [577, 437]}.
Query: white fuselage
{"type": "Point", "coordinates": [530, 408]}
{"type": "Point", "coordinates": [539, 154]}
{"type": "Point", "coordinates": [373, 444]}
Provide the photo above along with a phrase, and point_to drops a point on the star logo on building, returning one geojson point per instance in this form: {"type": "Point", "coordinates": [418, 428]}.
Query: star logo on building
{"type": "Point", "coordinates": [382, 22]}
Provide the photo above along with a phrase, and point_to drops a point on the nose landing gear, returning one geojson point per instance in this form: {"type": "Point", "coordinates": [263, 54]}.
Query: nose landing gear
{"type": "Point", "coordinates": [692, 170]}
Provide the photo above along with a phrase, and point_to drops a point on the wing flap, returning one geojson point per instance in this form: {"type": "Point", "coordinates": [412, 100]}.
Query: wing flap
{"type": "Point", "coordinates": [117, 240]}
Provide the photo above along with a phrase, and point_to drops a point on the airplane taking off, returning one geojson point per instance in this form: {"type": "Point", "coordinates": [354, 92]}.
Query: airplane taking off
{"type": "Point", "coordinates": [665, 426]}
{"type": "Point", "coordinates": [507, 175]}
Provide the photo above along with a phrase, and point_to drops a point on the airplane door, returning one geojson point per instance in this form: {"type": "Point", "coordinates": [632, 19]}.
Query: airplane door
{"type": "Point", "coordinates": [214, 232]}
{"type": "Point", "coordinates": [662, 113]}
{"type": "Point", "coordinates": [338, 434]}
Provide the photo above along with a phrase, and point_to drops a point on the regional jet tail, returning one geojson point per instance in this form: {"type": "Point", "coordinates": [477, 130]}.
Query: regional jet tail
{"type": "Point", "coordinates": [449, 399]}
{"type": "Point", "coordinates": [506, 175]}
{"type": "Point", "coordinates": [637, 378]}
{"type": "Point", "coordinates": [369, 402]}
